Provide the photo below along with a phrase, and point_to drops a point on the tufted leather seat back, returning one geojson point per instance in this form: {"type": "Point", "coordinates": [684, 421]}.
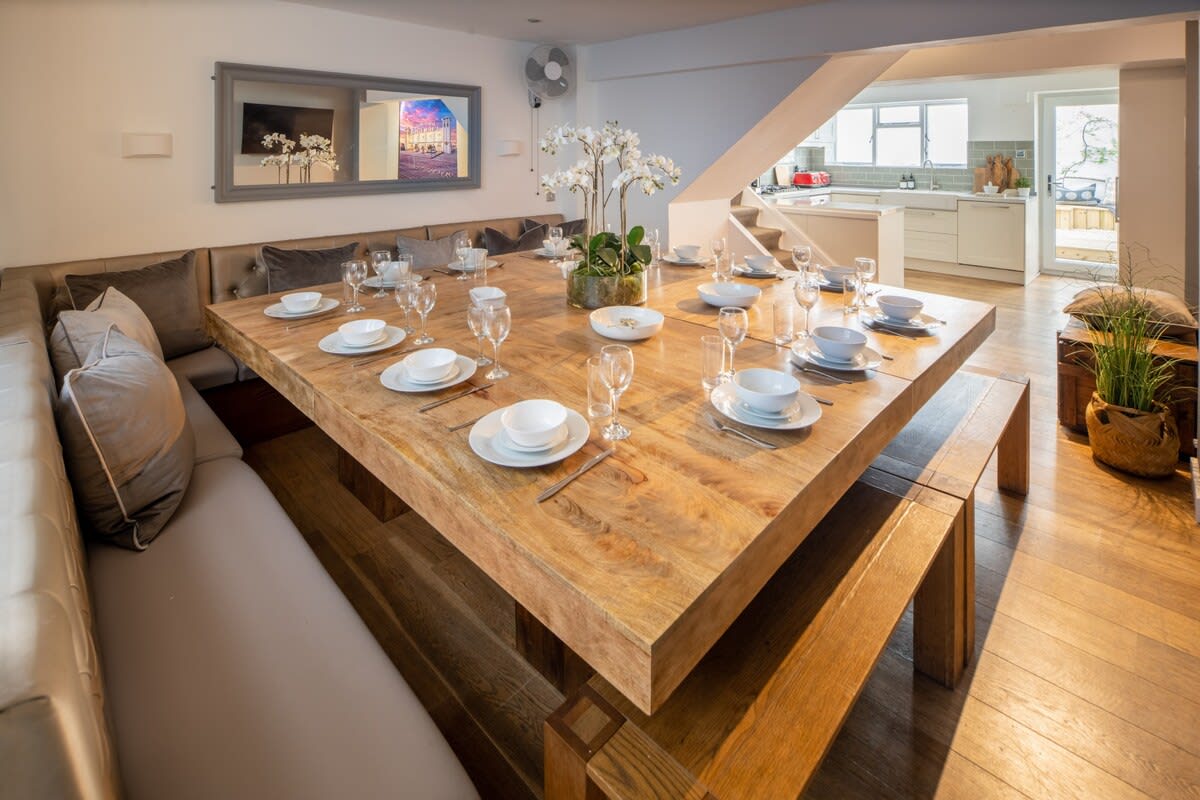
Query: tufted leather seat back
{"type": "Point", "coordinates": [509, 226]}
{"type": "Point", "coordinates": [54, 736]}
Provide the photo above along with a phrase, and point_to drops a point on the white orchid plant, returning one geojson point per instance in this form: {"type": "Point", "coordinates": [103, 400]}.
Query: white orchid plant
{"type": "Point", "coordinates": [606, 253]}
{"type": "Point", "coordinates": [314, 149]}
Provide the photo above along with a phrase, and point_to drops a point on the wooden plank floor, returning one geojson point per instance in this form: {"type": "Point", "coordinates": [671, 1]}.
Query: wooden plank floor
{"type": "Point", "coordinates": [1086, 681]}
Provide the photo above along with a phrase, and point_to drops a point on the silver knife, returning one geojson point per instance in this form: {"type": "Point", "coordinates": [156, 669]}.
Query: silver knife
{"type": "Point", "coordinates": [444, 400]}
{"type": "Point", "coordinates": [827, 376]}
{"type": "Point", "coordinates": [462, 425]}
{"type": "Point", "coordinates": [591, 462]}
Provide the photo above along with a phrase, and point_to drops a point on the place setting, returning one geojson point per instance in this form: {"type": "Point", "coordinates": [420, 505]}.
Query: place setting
{"type": "Point", "coordinates": [301, 305]}
{"type": "Point", "coordinates": [361, 336]}
{"type": "Point", "coordinates": [554, 246]}
{"type": "Point", "coordinates": [901, 315]}
{"type": "Point", "coordinates": [759, 266]}
{"type": "Point", "coordinates": [529, 433]}
{"type": "Point", "coordinates": [837, 349]}
{"type": "Point", "coordinates": [428, 370]}
{"type": "Point", "coordinates": [686, 255]}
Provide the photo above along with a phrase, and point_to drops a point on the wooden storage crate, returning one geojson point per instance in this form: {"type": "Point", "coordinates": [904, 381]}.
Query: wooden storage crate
{"type": "Point", "coordinates": [1076, 383]}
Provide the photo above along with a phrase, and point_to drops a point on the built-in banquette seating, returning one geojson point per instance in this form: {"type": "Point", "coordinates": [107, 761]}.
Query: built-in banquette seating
{"type": "Point", "coordinates": [222, 661]}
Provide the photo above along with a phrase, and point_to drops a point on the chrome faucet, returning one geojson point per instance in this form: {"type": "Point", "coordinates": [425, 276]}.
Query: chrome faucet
{"type": "Point", "coordinates": [932, 186]}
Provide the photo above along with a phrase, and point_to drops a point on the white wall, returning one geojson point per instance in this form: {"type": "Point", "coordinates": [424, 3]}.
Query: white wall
{"type": "Point", "coordinates": [74, 75]}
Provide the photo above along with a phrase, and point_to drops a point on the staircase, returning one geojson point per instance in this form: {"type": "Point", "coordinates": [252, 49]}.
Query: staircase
{"type": "Point", "coordinates": [747, 216]}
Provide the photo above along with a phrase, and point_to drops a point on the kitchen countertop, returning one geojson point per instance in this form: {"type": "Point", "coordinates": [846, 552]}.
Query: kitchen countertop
{"type": "Point", "coordinates": [822, 191]}
{"type": "Point", "coordinates": [805, 205]}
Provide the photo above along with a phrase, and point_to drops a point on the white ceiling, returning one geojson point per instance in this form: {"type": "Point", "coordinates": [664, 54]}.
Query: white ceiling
{"type": "Point", "coordinates": [562, 21]}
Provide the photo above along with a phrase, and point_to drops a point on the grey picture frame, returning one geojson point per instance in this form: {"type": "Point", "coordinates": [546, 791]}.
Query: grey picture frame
{"type": "Point", "coordinates": [228, 139]}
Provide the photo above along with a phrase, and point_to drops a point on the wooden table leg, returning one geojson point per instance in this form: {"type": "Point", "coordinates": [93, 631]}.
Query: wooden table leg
{"type": "Point", "coordinates": [573, 734]}
{"type": "Point", "coordinates": [1012, 451]}
{"type": "Point", "coordinates": [369, 490]}
{"type": "Point", "coordinates": [557, 663]}
{"type": "Point", "coordinates": [939, 626]}
{"type": "Point", "coordinates": [968, 565]}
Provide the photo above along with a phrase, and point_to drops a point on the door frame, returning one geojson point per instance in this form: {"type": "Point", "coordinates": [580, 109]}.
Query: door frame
{"type": "Point", "coordinates": [1046, 166]}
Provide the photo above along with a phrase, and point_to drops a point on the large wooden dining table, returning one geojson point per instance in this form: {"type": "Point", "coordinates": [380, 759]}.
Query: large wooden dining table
{"type": "Point", "coordinates": [641, 564]}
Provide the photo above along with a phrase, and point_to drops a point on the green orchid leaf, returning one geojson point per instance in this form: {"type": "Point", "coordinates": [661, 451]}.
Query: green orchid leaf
{"type": "Point", "coordinates": [635, 235]}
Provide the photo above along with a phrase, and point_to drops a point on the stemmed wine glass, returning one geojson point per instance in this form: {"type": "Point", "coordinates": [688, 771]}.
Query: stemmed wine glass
{"type": "Point", "coordinates": [380, 260]}
{"type": "Point", "coordinates": [462, 249]}
{"type": "Point", "coordinates": [733, 324]}
{"type": "Point", "coordinates": [802, 257]}
{"type": "Point", "coordinates": [426, 297]}
{"type": "Point", "coordinates": [477, 322]}
{"type": "Point", "coordinates": [555, 235]}
{"type": "Point", "coordinates": [616, 372]}
{"type": "Point", "coordinates": [865, 269]}
{"type": "Point", "coordinates": [497, 322]}
{"type": "Point", "coordinates": [406, 298]}
{"type": "Point", "coordinates": [354, 273]}
{"type": "Point", "coordinates": [718, 247]}
{"type": "Point", "coordinates": [653, 242]}
{"type": "Point", "coordinates": [807, 293]}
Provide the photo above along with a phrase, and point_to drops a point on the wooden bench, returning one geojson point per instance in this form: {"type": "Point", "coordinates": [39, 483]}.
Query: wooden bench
{"type": "Point", "coordinates": [757, 715]}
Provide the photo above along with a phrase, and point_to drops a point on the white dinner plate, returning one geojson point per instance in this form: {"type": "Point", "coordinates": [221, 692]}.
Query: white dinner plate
{"type": "Point", "coordinates": [375, 282]}
{"type": "Point", "coordinates": [747, 272]}
{"type": "Point", "coordinates": [396, 377]}
{"type": "Point", "coordinates": [803, 414]}
{"type": "Point", "coordinates": [922, 323]}
{"type": "Point", "coordinates": [671, 258]}
{"type": "Point", "coordinates": [542, 252]}
{"type": "Point", "coordinates": [829, 286]}
{"type": "Point", "coordinates": [505, 442]}
{"type": "Point", "coordinates": [279, 312]}
{"type": "Point", "coordinates": [488, 445]}
{"type": "Point", "coordinates": [458, 266]}
{"type": "Point", "coordinates": [808, 353]}
{"type": "Point", "coordinates": [333, 343]}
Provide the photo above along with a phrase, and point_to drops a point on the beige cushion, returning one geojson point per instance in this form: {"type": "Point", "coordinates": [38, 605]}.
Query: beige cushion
{"type": "Point", "coordinates": [297, 269]}
{"type": "Point", "coordinates": [165, 292]}
{"type": "Point", "coordinates": [436, 253]}
{"type": "Point", "coordinates": [206, 368]}
{"type": "Point", "coordinates": [1165, 309]}
{"type": "Point", "coordinates": [213, 439]}
{"type": "Point", "coordinates": [238, 670]}
{"type": "Point", "coordinates": [126, 440]}
{"type": "Point", "coordinates": [77, 332]}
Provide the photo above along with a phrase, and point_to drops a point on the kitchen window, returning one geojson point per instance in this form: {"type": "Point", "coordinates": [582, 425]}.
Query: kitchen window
{"type": "Point", "coordinates": [902, 134]}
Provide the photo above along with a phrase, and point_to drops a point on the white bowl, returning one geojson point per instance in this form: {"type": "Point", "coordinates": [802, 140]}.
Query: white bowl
{"type": "Point", "coordinates": [990, 189]}
{"type": "Point", "coordinates": [742, 295]}
{"type": "Point", "coordinates": [687, 252]}
{"type": "Point", "coordinates": [431, 364]}
{"type": "Point", "coordinates": [765, 389]}
{"type": "Point", "coordinates": [838, 343]}
{"type": "Point", "coordinates": [533, 423]}
{"type": "Point", "coordinates": [761, 263]}
{"type": "Point", "coordinates": [627, 323]}
{"type": "Point", "coordinates": [835, 275]}
{"type": "Point", "coordinates": [897, 306]}
{"type": "Point", "coordinates": [488, 296]}
{"type": "Point", "coordinates": [361, 331]}
{"type": "Point", "coordinates": [299, 302]}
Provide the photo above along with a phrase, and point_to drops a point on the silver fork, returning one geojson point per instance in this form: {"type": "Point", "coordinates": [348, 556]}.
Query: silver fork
{"type": "Point", "coordinates": [827, 376]}
{"type": "Point", "coordinates": [723, 428]}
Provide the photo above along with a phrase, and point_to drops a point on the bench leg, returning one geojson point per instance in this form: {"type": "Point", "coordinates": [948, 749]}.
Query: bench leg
{"type": "Point", "coordinates": [968, 561]}
{"type": "Point", "coordinates": [939, 622]}
{"type": "Point", "coordinates": [575, 732]}
{"type": "Point", "coordinates": [369, 490]}
{"type": "Point", "coordinates": [1012, 451]}
{"type": "Point", "coordinates": [556, 662]}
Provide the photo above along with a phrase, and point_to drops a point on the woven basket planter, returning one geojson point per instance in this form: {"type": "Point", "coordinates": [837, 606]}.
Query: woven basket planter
{"type": "Point", "coordinates": [1144, 443]}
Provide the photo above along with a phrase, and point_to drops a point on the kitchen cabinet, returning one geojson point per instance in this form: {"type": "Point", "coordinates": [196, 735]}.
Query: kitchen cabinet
{"type": "Point", "coordinates": [991, 234]}
{"type": "Point", "coordinates": [931, 235]}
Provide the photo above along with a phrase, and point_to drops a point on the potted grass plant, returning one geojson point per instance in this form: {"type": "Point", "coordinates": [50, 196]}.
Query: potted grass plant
{"type": "Point", "coordinates": [1128, 425]}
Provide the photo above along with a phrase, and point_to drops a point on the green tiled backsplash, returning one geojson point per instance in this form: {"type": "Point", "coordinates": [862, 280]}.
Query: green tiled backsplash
{"type": "Point", "coordinates": [953, 179]}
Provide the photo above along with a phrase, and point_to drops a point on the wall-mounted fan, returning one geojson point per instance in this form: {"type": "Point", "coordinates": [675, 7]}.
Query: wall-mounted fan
{"type": "Point", "coordinates": [549, 73]}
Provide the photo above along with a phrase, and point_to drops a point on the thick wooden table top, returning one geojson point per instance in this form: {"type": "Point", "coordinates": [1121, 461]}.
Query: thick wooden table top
{"type": "Point", "coordinates": [640, 565]}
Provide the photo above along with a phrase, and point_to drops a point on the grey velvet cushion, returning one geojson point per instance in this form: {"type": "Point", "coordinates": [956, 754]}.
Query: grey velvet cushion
{"type": "Point", "coordinates": [430, 253]}
{"type": "Point", "coordinates": [498, 244]}
{"type": "Point", "coordinates": [126, 440]}
{"type": "Point", "coordinates": [570, 227]}
{"type": "Point", "coordinates": [75, 333]}
{"type": "Point", "coordinates": [165, 292]}
{"type": "Point", "coordinates": [298, 269]}
{"type": "Point", "coordinates": [1164, 308]}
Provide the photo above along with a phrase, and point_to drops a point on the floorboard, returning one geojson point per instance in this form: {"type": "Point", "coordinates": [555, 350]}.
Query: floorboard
{"type": "Point", "coordinates": [1086, 680]}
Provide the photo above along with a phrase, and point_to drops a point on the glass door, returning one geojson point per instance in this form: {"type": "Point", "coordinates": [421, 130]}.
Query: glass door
{"type": "Point", "coordinates": [1079, 184]}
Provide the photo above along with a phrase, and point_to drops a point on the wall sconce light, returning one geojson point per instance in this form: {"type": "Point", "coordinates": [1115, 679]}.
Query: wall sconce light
{"type": "Point", "coordinates": [146, 145]}
{"type": "Point", "coordinates": [509, 147]}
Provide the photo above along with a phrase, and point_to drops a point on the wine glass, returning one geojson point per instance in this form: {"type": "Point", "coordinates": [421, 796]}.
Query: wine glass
{"type": "Point", "coordinates": [718, 247]}
{"type": "Point", "coordinates": [616, 372]}
{"type": "Point", "coordinates": [406, 298]}
{"type": "Point", "coordinates": [380, 260]}
{"type": "Point", "coordinates": [476, 321]}
{"type": "Point", "coordinates": [865, 269]}
{"type": "Point", "coordinates": [652, 241]}
{"type": "Point", "coordinates": [555, 235]}
{"type": "Point", "coordinates": [724, 269]}
{"type": "Point", "coordinates": [403, 264]}
{"type": "Point", "coordinates": [807, 293]}
{"type": "Point", "coordinates": [426, 297]}
{"type": "Point", "coordinates": [462, 249]}
{"type": "Point", "coordinates": [354, 273]}
{"type": "Point", "coordinates": [497, 322]}
{"type": "Point", "coordinates": [733, 324]}
{"type": "Point", "coordinates": [802, 257]}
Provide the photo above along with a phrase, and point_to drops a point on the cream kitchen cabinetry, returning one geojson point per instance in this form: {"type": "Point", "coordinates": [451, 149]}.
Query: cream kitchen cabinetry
{"type": "Point", "coordinates": [991, 234]}
{"type": "Point", "coordinates": [931, 235]}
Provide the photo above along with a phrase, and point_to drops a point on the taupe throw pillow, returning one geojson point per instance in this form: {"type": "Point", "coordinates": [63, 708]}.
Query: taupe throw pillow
{"type": "Point", "coordinates": [1165, 308]}
{"type": "Point", "coordinates": [77, 332]}
{"type": "Point", "coordinates": [299, 269]}
{"type": "Point", "coordinates": [126, 440]}
{"type": "Point", "coordinates": [165, 292]}
{"type": "Point", "coordinates": [498, 244]}
{"type": "Point", "coordinates": [430, 252]}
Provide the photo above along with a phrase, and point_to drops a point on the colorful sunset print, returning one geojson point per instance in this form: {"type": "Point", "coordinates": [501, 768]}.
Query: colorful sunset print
{"type": "Point", "coordinates": [428, 141]}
